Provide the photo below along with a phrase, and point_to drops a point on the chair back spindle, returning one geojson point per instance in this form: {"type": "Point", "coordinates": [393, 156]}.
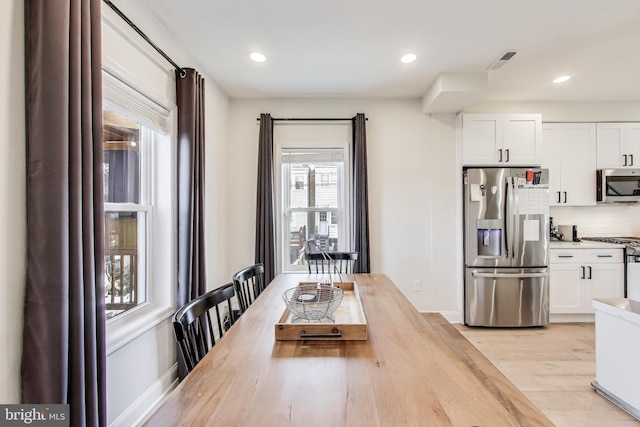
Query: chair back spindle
{"type": "Point", "coordinates": [193, 324]}
{"type": "Point", "coordinates": [331, 262]}
{"type": "Point", "coordinates": [249, 284]}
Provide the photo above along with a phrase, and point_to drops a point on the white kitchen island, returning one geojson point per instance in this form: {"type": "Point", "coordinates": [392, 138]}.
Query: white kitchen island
{"type": "Point", "coordinates": [617, 326]}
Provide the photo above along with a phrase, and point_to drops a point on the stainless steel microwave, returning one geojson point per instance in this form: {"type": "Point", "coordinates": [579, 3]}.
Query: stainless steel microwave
{"type": "Point", "coordinates": [618, 185]}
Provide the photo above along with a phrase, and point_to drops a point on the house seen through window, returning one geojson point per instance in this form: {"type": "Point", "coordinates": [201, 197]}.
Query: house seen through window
{"type": "Point", "coordinates": [314, 203]}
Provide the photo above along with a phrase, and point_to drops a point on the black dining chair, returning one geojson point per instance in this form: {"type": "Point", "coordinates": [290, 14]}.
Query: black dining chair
{"type": "Point", "coordinates": [249, 284]}
{"type": "Point", "coordinates": [193, 324]}
{"type": "Point", "coordinates": [331, 262]}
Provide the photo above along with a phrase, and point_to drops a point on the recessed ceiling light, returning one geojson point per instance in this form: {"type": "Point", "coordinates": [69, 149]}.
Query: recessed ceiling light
{"type": "Point", "coordinates": [408, 58]}
{"type": "Point", "coordinates": [258, 57]}
{"type": "Point", "coordinates": [561, 79]}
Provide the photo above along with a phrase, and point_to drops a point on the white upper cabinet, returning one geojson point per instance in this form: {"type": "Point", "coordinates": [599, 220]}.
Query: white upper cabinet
{"type": "Point", "coordinates": [618, 145]}
{"type": "Point", "coordinates": [500, 139]}
{"type": "Point", "coordinates": [568, 150]}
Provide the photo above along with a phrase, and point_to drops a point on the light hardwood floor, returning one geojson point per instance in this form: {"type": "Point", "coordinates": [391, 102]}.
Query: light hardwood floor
{"type": "Point", "coordinates": [554, 368]}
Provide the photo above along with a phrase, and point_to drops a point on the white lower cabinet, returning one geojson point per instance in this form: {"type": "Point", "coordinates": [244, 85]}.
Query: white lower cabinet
{"type": "Point", "coordinates": [579, 275]}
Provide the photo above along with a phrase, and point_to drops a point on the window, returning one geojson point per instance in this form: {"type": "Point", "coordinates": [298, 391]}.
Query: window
{"type": "Point", "coordinates": [127, 204]}
{"type": "Point", "coordinates": [139, 203]}
{"type": "Point", "coordinates": [314, 201]}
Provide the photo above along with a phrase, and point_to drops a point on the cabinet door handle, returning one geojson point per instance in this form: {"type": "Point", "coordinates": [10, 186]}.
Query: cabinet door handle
{"type": "Point", "coordinates": [507, 153]}
{"type": "Point", "coordinates": [589, 272]}
{"type": "Point", "coordinates": [605, 256]}
{"type": "Point", "coordinates": [631, 157]}
{"type": "Point", "coordinates": [559, 197]}
{"type": "Point", "coordinates": [565, 196]}
{"type": "Point", "coordinates": [500, 155]}
{"type": "Point", "coordinates": [582, 276]}
{"type": "Point", "coordinates": [565, 256]}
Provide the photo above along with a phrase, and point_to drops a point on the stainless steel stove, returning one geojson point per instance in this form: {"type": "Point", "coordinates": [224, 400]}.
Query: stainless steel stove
{"type": "Point", "coordinates": [631, 264]}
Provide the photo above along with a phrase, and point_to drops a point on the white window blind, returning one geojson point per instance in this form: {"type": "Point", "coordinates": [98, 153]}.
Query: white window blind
{"type": "Point", "coordinates": [127, 95]}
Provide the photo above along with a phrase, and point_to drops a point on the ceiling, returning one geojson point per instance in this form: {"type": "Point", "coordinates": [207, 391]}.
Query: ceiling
{"type": "Point", "coordinates": [352, 48]}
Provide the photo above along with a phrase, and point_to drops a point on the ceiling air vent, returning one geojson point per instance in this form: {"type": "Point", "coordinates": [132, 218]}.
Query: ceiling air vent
{"type": "Point", "coordinates": [498, 63]}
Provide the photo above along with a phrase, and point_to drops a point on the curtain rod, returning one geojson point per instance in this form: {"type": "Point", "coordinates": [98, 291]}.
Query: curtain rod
{"type": "Point", "coordinates": [144, 36]}
{"type": "Point", "coordinates": [316, 119]}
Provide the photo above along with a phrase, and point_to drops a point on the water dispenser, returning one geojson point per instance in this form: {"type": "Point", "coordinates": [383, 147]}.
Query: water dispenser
{"type": "Point", "coordinates": [489, 233]}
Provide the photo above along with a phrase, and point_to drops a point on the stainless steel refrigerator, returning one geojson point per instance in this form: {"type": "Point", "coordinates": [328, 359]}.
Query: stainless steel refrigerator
{"type": "Point", "coordinates": [506, 247]}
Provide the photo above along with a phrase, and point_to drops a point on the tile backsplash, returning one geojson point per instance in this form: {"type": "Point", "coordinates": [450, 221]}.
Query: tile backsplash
{"type": "Point", "coordinates": [616, 220]}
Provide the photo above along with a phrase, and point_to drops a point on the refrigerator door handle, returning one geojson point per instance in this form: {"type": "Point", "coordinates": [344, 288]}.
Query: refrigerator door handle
{"type": "Point", "coordinates": [502, 275]}
{"type": "Point", "coordinates": [507, 226]}
{"type": "Point", "coordinates": [513, 219]}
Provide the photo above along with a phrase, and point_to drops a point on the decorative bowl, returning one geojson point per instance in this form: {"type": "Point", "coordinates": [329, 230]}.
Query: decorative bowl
{"type": "Point", "coordinates": [313, 301]}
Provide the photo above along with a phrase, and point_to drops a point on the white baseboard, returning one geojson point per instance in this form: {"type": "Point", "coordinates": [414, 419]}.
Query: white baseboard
{"type": "Point", "coordinates": [572, 318]}
{"type": "Point", "coordinates": [144, 406]}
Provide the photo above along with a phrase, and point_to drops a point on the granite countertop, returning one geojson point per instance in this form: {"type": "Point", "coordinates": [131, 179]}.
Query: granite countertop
{"type": "Point", "coordinates": [586, 244]}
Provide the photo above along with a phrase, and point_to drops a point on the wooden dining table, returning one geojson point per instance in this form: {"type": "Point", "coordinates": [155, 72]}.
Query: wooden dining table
{"type": "Point", "coordinates": [412, 370]}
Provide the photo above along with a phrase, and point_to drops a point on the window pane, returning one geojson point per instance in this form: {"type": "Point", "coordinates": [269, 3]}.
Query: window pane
{"type": "Point", "coordinates": [324, 233]}
{"type": "Point", "coordinates": [125, 229]}
{"type": "Point", "coordinates": [123, 261]}
{"type": "Point", "coordinates": [313, 185]}
{"type": "Point", "coordinates": [121, 163]}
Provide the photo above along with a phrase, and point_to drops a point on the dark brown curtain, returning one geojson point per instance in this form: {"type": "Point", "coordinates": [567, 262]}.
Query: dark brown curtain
{"type": "Point", "coordinates": [63, 356]}
{"type": "Point", "coordinates": [192, 281]}
{"type": "Point", "coordinates": [191, 261]}
{"type": "Point", "coordinates": [360, 195]}
{"type": "Point", "coordinates": [191, 254]}
{"type": "Point", "coordinates": [265, 217]}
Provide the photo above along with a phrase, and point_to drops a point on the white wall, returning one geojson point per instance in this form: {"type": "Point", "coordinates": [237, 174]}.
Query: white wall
{"type": "Point", "coordinates": [566, 111]}
{"type": "Point", "coordinates": [218, 178]}
{"type": "Point", "coordinates": [12, 196]}
{"type": "Point", "coordinates": [412, 176]}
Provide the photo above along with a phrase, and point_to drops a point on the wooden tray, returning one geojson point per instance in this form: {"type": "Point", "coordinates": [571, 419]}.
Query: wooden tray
{"type": "Point", "coordinates": [350, 323]}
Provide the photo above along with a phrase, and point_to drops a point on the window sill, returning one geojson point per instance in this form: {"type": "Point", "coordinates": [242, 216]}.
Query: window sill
{"type": "Point", "coordinates": [122, 331]}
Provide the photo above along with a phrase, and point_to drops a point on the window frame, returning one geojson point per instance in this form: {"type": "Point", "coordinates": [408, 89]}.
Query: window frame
{"type": "Point", "coordinates": [282, 197]}
{"type": "Point", "coordinates": [157, 117]}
